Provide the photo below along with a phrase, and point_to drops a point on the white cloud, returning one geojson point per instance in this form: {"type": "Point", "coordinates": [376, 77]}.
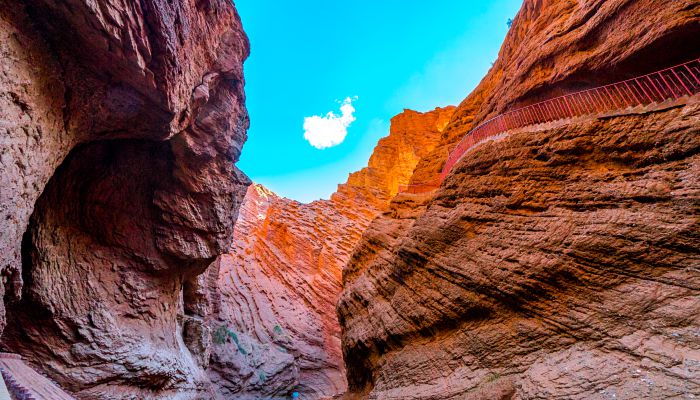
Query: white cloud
{"type": "Point", "coordinates": [330, 130]}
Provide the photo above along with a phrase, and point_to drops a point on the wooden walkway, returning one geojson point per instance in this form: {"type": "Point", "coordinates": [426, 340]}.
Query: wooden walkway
{"type": "Point", "coordinates": [24, 383]}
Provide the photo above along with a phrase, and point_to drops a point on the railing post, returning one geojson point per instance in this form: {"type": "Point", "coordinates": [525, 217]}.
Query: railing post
{"type": "Point", "coordinates": [612, 98]}
{"type": "Point", "coordinates": [585, 103]}
{"type": "Point", "coordinates": [697, 70]}
{"type": "Point", "coordinates": [627, 85]}
{"type": "Point", "coordinates": [600, 97]}
{"type": "Point", "coordinates": [565, 107]}
{"type": "Point", "coordinates": [661, 95]}
{"type": "Point", "coordinates": [692, 74]}
{"type": "Point", "coordinates": [560, 105]}
{"type": "Point", "coordinates": [530, 114]}
{"type": "Point", "coordinates": [557, 106]}
{"type": "Point", "coordinates": [590, 94]}
{"type": "Point", "coordinates": [555, 112]}
{"type": "Point", "coordinates": [673, 92]}
{"type": "Point", "coordinates": [596, 101]}
{"type": "Point", "coordinates": [606, 101]}
{"type": "Point", "coordinates": [568, 106]}
{"type": "Point", "coordinates": [643, 90]}
{"type": "Point", "coordinates": [575, 106]}
{"type": "Point", "coordinates": [557, 109]}
{"type": "Point", "coordinates": [619, 92]}
{"type": "Point", "coordinates": [547, 111]}
{"type": "Point", "coordinates": [679, 80]}
{"type": "Point", "coordinates": [591, 100]}
{"type": "Point", "coordinates": [533, 113]}
{"type": "Point", "coordinates": [688, 80]}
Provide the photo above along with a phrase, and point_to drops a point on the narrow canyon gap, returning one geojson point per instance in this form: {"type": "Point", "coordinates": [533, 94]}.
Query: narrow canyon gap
{"type": "Point", "coordinates": [274, 294]}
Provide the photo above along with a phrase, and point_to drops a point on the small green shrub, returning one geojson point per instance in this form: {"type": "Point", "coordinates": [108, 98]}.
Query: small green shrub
{"type": "Point", "coordinates": [222, 334]}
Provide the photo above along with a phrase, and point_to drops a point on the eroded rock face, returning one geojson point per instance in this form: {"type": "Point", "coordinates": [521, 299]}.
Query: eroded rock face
{"type": "Point", "coordinates": [121, 125]}
{"type": "Point", "coordinates": [274, 294]}
{"type": "Point", "coordinates": [554, 263]}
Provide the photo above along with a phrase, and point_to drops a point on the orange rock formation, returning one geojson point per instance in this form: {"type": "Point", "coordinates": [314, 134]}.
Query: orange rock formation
{"type": "Point", "coordinates": [278, 286]}
{"type": "Point", "coordinates": [556, 262]}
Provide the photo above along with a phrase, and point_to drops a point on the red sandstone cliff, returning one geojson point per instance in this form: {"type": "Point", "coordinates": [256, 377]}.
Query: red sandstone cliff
{"type": "Point", "coordinates": [121, 122]}
{"type": "Point", "coordinates": [276, 290]}
{"type": "Point", "coordinates": [554, 263]}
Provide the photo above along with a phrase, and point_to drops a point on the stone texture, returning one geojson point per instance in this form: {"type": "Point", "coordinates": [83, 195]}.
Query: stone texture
{"type": "Point", "coordinates": [121, 123]}
{"type": "Point", "coordinates": [274, 294]}
{"type": "Point", "coordinates": [556, 263]}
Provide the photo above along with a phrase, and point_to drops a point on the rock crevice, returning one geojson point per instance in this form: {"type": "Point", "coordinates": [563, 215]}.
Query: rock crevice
{"type": "Point", "coordinates": [274, 294]}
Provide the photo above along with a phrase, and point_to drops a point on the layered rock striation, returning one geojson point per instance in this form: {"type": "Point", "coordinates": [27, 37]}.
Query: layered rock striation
{"type": "Point", "coordinates": [558, 262]}
{"type": "Point", "coordinates": [121, 122]}
{"type": "Point", "coordinates": [274, 294]}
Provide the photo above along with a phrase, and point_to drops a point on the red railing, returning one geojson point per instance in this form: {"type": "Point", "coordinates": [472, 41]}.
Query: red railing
{"type": "Point", "coordinates": [669, 84]}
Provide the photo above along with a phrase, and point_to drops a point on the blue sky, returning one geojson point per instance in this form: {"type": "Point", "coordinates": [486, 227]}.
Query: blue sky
{"type": "Point", "coordinates": [312, 57]}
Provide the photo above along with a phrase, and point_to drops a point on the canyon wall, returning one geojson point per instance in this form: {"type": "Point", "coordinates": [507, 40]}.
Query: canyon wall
{"type": "Point", "coordinates": [121, 122]}
{"type": "Point", "coordinates": [555, 263]}
{"type": "Point", "coordinates": [274, 294]}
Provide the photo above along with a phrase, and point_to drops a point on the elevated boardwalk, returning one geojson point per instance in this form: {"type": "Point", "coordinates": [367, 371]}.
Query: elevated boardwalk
{"type": "Point", "coordinates": [24, 383]}
{"type": "Point", "coordinates": [662, 89]}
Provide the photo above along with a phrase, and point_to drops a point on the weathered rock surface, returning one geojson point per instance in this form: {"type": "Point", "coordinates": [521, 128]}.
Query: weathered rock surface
{"type": "Point", "coordinates": [552, 264]}
{"type": "Point", "coordinates": [274, 294]}
{"type": "Point", "coordinates": [121, 122]}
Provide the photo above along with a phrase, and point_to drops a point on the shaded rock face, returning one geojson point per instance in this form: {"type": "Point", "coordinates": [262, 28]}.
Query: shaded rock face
{"type": "Point", "coordinates": [121, 124]}
{"type": "Point", "coordinates": [553, 263]}
{"type": "Point", "coordinates": [274, 294]}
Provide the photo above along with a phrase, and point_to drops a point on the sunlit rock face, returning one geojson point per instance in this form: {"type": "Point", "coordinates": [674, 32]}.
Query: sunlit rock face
{"type": "Point", "coordinates": [556, 263]}
{"type": "Point", "coordinates": [274, 295]}
{"type": "Point", "coordinates": [121, 122]}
